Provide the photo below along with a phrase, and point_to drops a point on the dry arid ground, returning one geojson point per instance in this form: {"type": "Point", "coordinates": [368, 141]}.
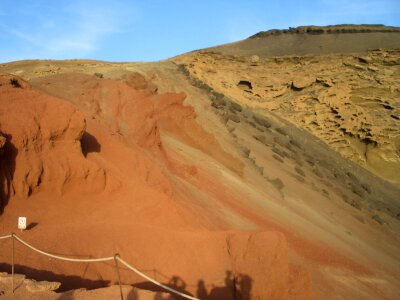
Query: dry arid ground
{"type": "Point", "coordinates": [263, 169]}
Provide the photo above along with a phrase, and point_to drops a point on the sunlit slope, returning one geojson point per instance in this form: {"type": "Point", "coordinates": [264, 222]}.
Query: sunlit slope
{"type": "Point", "coordinates": [315, 40]}
{"type": "Point", "coordinates": [274, 173]}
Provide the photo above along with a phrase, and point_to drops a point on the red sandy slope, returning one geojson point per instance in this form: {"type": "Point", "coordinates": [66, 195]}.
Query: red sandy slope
{"type": "Point", "coordinates": [93, 176]}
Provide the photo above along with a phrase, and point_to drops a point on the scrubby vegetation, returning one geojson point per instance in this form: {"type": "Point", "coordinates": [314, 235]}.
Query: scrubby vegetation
{"type": "Point", "coordinates": [15, 83]}
{"type": "Point", "coordinates": [335, 29]}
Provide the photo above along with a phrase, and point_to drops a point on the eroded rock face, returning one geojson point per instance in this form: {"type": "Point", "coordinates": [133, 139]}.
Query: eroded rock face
{"type": "Point", "coordinates": [41, 137]}
{"type": "Point", "coordinates": [132, 107]}
{"type": "Point", "coordinates": [348, 101]}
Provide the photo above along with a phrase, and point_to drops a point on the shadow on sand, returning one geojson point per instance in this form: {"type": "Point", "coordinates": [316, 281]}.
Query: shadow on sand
{"type": "Point", "coordinates": [89, 144]}
{"type": "Point", "coordinates": [236, 287]}
{"type": "Point", "coordinates": [8, 155]}
{"type": "Point", "coordinates": [68, 282]}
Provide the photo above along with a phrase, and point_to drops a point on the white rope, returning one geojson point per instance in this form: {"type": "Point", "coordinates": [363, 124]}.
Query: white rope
{"type": "Point", "coordinates": [154, 281]}
{"type": "Point", "coordinates": [62, 257]}
{"type": "Point", "coordinates": [99, 260]}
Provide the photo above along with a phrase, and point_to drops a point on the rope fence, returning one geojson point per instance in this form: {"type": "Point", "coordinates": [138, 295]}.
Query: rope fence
{"type": "Point", "coordinates": [116, 258]}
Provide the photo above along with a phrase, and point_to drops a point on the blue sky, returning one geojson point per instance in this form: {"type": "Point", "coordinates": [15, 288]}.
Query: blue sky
{"type": "Point", "coordinates": [149, 30]}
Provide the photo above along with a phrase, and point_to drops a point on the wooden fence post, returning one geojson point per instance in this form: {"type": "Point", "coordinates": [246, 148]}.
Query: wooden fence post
{"type": "Point", "coordinates": [12, 262]}
{"type": "Point", "coordinates": [118, 276]}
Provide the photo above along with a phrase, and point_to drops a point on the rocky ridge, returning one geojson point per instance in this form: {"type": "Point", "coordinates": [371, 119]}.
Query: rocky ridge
{"type": "Point", "coordinates": [332, 29]}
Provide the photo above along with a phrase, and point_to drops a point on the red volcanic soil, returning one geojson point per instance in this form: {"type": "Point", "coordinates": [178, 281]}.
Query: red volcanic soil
{"type": "Point", "coordinates": [102, 166]}
{"type": "Point", "coordinates": [123, 200]}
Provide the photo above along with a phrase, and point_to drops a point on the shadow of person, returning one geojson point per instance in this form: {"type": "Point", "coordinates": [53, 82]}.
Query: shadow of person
{"type": "Point", "coordinates": [178, 284]}
{"type": "Point", "coordinates": [243, 287]}
{"type": "Point", "coordinates": [229, 280]}
{"type": "Point", "coordinates": [227, 292]}
{"type": "Point", "coordinates": [201, 292]}
{"type": "Point", "coordinates": [237, 287]}
{"type": "Point", "coordinates": [133, 295]}
{"type": "Point", "coordinates": [175, 283]}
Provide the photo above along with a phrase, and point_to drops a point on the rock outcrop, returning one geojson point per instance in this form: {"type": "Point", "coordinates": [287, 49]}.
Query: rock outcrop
{"type": "Point", "coordinates": [42, 148]}
{"type": "Point", "coordinates": [349, 102]}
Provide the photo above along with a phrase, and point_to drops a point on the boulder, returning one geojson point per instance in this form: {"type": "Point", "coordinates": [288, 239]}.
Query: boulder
{"type": "Point", "coordinates": [301, 82]}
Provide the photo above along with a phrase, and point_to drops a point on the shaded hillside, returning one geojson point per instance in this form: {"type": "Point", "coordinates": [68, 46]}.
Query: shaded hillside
{"type": "Point", "coordinates": [305, 40]}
